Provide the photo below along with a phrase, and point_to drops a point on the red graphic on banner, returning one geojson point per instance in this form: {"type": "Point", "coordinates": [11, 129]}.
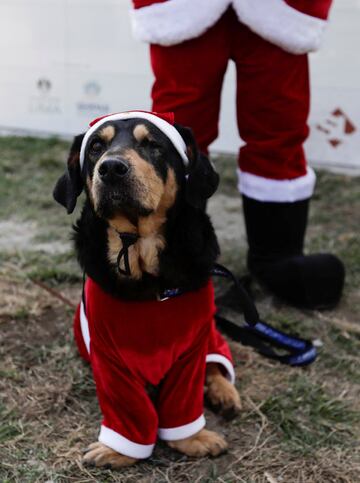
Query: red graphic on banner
{"type": "Point", "coordinates": [336, 127]}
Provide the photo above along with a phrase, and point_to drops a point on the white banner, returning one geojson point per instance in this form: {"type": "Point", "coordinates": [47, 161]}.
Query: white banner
{"type": "Point", "coordinates": [64, 62]}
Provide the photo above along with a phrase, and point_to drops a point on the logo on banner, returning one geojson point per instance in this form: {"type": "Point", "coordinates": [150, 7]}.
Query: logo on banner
{"type": "Point", "coordinates": [43, 102]}
{"type": "Point", "coordinates": [336, 127]}
{"type": "Point", "coordinates": [91, 105]}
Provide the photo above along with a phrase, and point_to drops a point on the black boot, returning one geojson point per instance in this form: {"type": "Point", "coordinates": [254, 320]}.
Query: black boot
{"type": "Point", "coordinates": [276, 234]}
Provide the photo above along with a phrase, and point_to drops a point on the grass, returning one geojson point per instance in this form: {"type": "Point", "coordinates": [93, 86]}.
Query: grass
{"type": "Point", "coordinates": [297, 425]}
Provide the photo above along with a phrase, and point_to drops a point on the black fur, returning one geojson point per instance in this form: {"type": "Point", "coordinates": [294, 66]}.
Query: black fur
{"type": "Point", "coordinates": [191, 245]}
{"type": "Point", "coordinates": [70, 184]}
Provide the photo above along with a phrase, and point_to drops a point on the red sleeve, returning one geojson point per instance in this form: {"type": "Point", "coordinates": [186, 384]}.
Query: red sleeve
{"type": "Point", "coordinates": [130, 421]}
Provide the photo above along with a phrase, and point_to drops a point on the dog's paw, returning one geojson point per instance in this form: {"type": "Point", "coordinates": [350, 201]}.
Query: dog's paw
{"type": "Point", "coordinates": [222, 395]}
{"type": "Point", "coordinates": [99, 455]}
{"type": "Point", "coordinates": [200, 444]}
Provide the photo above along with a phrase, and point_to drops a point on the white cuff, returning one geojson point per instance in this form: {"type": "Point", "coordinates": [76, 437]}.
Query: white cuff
{"type": "Point", "coordinates": [282, 25]}
{"type": "Point", "coordinates": [275, 190]}
{"type": "Point", "coordinates": [123, 445]}
{"type": "Point", "coordinates": [173, 22]}
{"type": "Point", "coordinates": [219, 359]}
{"type": "Point", "coordinates": [182, 432]}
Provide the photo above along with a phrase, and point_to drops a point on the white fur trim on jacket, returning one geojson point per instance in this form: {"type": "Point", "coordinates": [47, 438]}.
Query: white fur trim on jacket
{"type": "Point", "coordinates": [182, 432]}
{"type": "Point", "coordinates": [275, 190]}
{"type": "Point", "coordinates": [227, 365]}
{"type": "Point", "coordinates": [281, 24]}
{"type": "Point", "coordinates": [122, 445]}
{"type": "Point", "coordinates": [164, 126]}
{"type": "Point", "coordinates": [84, 324]}
{"type": "Point", "coordinates": [174, 21]}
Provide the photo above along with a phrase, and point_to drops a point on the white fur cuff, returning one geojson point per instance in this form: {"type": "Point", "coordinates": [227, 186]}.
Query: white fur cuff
{"type": "Point", "coordinates": [282, 25]}
{"type": "Point", "coordinates": [174, 21]}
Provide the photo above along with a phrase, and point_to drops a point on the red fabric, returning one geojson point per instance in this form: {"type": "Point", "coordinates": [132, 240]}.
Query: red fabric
{"type": "Point", "coordinates": [272, 94]}
{"type": "Point", "coordinates": [166, 116]}
{"type": "Point", "coordinates": [317, 8]}
{"type": "Point", "coordinates": [145, 3]}
{"type": "Point", "coordinates": [134, 344]}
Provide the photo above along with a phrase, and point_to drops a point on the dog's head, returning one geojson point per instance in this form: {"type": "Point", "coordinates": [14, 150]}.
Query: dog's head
{"type": "Point", "coordinates": [132, 164]}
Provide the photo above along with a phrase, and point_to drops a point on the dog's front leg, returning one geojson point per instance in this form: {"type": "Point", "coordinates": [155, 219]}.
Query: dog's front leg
{"type": "Point", "coordinates": [100, 455]}
{"type": "Point", "coordinates": [220, 392]}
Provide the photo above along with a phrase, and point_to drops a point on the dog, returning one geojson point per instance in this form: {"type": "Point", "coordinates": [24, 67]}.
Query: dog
{"type": "Point", "coordinates": [147, 248]}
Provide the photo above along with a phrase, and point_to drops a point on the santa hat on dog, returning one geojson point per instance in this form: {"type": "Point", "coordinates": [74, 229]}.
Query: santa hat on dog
{"type": "Point", "coordinates": [163, 121]}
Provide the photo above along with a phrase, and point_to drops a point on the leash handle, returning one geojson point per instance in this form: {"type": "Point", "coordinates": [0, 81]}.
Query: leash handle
{"type": "Point", "coordinates": [264, 341]}
{"type": "Point", "coordinates": [260, 335]}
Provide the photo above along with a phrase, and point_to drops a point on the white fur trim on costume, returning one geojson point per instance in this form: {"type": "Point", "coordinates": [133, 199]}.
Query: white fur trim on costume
{"type": "Point", "coordinates": [174, 21]}
{"type": "Point", "coordinates": [181, 432]}
{"type": "Point", "coordinates": [281, 24]}
{"type": "Point", "coordinates": [123, 445]}
{"type": "Point", "coordinates": [84, 324]}
{"type": "Point", "coordinates": [164, 126]}
{"type": "Point", "coordinates": [275, 190]}
{"type": "Point", "coordinates": [219, 359]}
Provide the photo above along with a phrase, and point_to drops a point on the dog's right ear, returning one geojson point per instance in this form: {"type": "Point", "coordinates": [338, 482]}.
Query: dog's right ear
{"type": "Point", "coordinates": [70, 184]}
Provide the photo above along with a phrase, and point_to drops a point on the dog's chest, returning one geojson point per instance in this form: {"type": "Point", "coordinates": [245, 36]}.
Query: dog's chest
{"type": "Point", "coordinates": [143, 255]}
{"type": "Point", "coordinates": [148, 337]}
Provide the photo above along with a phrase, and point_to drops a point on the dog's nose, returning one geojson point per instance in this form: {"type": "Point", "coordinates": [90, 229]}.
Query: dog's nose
{"type": "Point", "coordinates": [113, 169]}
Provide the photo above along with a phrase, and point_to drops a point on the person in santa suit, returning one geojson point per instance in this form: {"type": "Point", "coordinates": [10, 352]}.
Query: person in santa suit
{"type": "Point", "coordinates": [191, 43]}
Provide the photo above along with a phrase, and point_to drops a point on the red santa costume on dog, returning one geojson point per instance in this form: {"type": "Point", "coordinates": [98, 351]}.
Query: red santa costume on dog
{"type": "Point", "coordinates": [192, 42]}
{"type": "Point", "coordinates": [135, 344]}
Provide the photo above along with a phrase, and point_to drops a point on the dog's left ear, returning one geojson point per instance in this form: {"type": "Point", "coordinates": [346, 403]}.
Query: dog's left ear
{"type": "Point", "coordinates": [70, 184]}
{"type": "Point", "coordinates": [202, 180]}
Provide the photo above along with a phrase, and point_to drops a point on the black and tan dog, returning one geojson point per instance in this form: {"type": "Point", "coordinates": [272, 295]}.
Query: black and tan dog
{"type": "Point", "coordinates": [140, 187]}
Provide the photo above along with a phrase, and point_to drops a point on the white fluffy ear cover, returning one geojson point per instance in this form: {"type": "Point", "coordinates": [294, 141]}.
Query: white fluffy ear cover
{"type": "Point", "coordinates": [174, 21]}
{"type": "Point", "coordinates": [282, 25]}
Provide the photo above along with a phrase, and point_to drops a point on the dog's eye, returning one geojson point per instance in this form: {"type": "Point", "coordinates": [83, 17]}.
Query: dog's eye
{"type": "Point", "coordinates": [150, 144]}
{"type": "Point", "coordinates": [96, 147]}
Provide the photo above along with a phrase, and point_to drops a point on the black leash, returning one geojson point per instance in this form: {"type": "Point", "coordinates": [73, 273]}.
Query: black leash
{"type": "Point", "coordinates": [260, 335]}
{"type": "Point", "coordinates": [255, 333]}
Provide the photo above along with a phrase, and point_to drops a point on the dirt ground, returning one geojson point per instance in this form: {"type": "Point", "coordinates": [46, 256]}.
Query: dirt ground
{"type": "Point", "coordinates": [297, 425]}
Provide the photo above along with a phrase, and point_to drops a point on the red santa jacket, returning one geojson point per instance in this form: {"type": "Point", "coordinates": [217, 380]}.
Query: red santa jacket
{"type": "Point", "coordinates": [297, 26]}
{"type": "Point", "coordinates": [134, 345]}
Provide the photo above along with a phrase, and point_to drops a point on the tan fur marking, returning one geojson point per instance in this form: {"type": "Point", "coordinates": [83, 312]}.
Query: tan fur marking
{"type": "Point", "coordinates": [140, 132]}
{"type": "Point", "coordinates": [151, 224]}
{"type": "Point", "coordinates": [121, 224]}
{"type": "Point", "coordinates": [201, 444]}
{"type": "Point", "coordinates": [144, 254]}
{"type": "Point", "coordinates": [152, 241]}
{"type": "Point", "coordinates": [89, 185]}
{"type": "Point", "coordinates": [107, 133]}
{"type": "Point", "coordinates": [148, 179]}
{"type": "Point", "coordinates": [100, 455]}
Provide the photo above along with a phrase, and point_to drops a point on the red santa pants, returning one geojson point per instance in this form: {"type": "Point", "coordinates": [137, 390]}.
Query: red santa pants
{"type": "Point", "coordinates": [272, 100]}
